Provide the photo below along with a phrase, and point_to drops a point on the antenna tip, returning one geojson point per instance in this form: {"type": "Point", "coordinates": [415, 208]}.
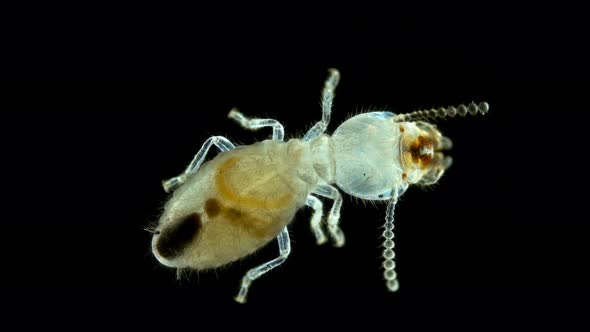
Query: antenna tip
{"type": "Point", "coordinates": [483, 107]}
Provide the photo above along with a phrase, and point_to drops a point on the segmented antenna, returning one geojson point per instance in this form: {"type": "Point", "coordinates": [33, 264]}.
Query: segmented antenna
{"type": "Point", "coordinates": [442, 112]}
{"type": "Point", "coordinates": [388, 254]}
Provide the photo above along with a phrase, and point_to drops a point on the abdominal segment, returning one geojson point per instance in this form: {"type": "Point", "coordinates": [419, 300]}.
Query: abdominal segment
{"type": "Point", "coordinates": [251, 197]}
{"type": "Point", "coordinates": [252, 183]}
{"type": "Point", "coordinates": [255, 226]}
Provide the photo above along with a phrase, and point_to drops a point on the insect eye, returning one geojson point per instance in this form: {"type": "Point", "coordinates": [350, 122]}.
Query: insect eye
{"type": "Point", "coordinates": [178, 235]}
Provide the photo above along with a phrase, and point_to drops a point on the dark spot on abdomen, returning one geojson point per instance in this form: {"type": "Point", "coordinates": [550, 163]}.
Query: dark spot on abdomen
{"type": "Point", "coordinates": [212, 207]}
{"type": "Point", "coordinates": [175, 237]}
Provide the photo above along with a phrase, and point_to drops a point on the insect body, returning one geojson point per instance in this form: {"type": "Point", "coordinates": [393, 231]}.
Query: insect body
{"type": "Point", "coordinates": [228, 207]}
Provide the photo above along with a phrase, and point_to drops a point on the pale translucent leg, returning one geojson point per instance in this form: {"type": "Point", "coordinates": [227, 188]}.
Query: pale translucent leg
{"type": "Point", "coordinates": [255, 273]}
{"type": "Point", "coordinates": [388, 254]}
{"type": "Point", "coordinates": [278, 133]}
{"type": "Point", "coordinates": [222, 143]}
{"type": "Point", "coordinates": [316, 218]}
{"type": "Point", "coordinates": [334, 216]}
{"type": "Point", "coordinates": [327, 98]}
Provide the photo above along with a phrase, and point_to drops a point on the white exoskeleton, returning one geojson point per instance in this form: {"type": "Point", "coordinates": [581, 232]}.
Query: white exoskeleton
{"type": "Point", "coordinates": [234, 204]}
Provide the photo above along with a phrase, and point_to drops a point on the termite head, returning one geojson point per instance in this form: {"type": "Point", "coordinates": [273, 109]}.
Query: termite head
{"type": "Point", "coordinates": [421, 153]}
{"type": "Point", "coordinates": [422, 144]}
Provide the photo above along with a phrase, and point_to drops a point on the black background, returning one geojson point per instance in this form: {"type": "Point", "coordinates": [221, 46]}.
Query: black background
{"type": "Point", "coordinates": [104, 105]}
